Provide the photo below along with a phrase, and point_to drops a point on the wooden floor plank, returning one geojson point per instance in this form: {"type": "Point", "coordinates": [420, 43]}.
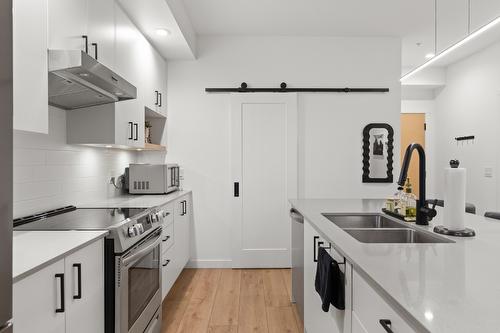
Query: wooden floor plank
{"type": "Point", "coordinates": [298, 320]}
{"type": "Point", "coordinates": [183, 286]}
{"type": "Point", "coordinates": [287, 279]}
{"type": "Point", "coordinates": [173, 312]}
{"type": "Point", "coordinates": [199, 309]}
{"type": "Point", "coordinates": [252, 316]}
{"type": "Point", "coordinates": [227, 300]}
{"type": "Point", "coordinates": [275, 290]}
{"type": "Point", "coordinates": [252, 282]}
{"type": "Point", "coordinates": [223, 329]}
{"type": "Point", "coordinates": [281, 320]}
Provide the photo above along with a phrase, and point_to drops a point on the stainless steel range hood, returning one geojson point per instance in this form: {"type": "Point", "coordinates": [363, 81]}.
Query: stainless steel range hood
{"type": "Point", "coordinates": [76, 80]}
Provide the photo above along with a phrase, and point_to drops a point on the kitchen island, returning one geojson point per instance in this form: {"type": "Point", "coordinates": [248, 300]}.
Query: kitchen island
{"type": "Point", "coordinates": [434, 287]}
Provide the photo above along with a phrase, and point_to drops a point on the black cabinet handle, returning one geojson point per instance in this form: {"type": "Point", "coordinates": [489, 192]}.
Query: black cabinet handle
{"type": "Point", "coordinates": [160, 99]}
{"type": "Point", "coordinates": [166, 239]}
{"type": "Point", "coordinates": [236, 189]}
{"type": "Point", "coordinates": [86, 39]}
{"type": "Point", "coordinates": [79, 283]}
{"type": "Point", "coordinates": [157, 97]}
{"type": "Point", "coordinates": [136, 126]}
{"type": "Point", "coordinates": [166, 263]}
{"type": "Point", "coordinates": [386, 324]}
{"type": "Point", "coordinates": [185, 207]}
{"type": "Point", "coordinates": [131, 124]}
{"type": "Point", "coordinates": [95, 50]}
{"type": "Point", "coordinates": [61, 286]}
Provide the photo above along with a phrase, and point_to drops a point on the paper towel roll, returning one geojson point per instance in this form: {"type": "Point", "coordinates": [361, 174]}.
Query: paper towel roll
{"type": "Point", "coordinates": [454, 198]}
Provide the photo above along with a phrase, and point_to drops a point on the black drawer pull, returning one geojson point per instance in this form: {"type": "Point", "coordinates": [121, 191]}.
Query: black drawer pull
{"type": "Point", "coordinates": [166, 263]}
{"type": "Point", "coordinates": [86, 39]}
{"type": "Point", "coordinates": [386, 324]}
{"type": "Point", "coordinates": [61, 288]}
{"type": "Point", "coordinates": [166, 239]}
{"type": "Point", "coordinates": [79, 283]}
{"type": "Point", "coordinates": [95, 50]}
{"type": "Point", "coordinates": [131, 124]}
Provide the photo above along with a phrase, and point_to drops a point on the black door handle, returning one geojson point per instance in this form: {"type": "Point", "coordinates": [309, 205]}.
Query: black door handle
{"type": "Point", "coordinates": [160, 99]}
{"type": "Point", "coordinates": [386, 324]}
{"type": "Point", "coordinates": [79, 282]}
{"type": "Point", "coordinates": [95, 50]}
{"type": "Point", "coordinates": [61, 286]}
{"type": "Point", "coordinates": [131, 124]}
{"type": "Point", "coordinates": [86, 39]}
{"type": "Point", "coordinates": [236, 189]}
{"type": "Point", "coordinates": [136, 126]}
{"type": "Point", "coordinates": [157, 96]}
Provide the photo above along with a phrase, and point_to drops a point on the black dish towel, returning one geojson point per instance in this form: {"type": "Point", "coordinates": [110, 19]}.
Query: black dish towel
{"type": "Point", "coordinates": [329, 281]}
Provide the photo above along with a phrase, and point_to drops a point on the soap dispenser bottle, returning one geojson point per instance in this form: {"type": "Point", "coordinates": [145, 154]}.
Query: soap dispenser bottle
{"type": "Point", "coordinates": [411, 201]}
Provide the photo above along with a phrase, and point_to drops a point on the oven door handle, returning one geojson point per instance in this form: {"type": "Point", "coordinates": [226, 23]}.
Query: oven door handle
{"type": "Point", "coordinates": [151, 245]}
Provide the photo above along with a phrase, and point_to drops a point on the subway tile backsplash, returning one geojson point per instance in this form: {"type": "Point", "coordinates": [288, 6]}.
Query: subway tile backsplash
{"type": "Point", "coordinates": [49, 174]}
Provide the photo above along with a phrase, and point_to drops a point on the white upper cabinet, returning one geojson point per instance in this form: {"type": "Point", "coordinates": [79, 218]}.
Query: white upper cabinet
{"type": "Point", "coordinates": [67, 24]}
{"type": "Point", "coordinates": [101, 31]}
{"type": "Point", "coordinates": [31, 110]}
{"type": "Point", "coordinates": [483, 12]}
{"type": "Point", "coordinates": [452, 22]}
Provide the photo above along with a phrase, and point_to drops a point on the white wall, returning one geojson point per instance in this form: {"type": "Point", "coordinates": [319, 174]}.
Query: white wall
{"type": "Point", "coordinates": [49, 174]}
{"type": "Point", "coordinates": [470, 105]}
{"type": "Point", "coordinates": [330, 125]}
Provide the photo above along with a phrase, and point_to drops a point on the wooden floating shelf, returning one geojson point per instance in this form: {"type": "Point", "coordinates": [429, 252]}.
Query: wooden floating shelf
{"type": "Point", "coordinates": [152, 146]}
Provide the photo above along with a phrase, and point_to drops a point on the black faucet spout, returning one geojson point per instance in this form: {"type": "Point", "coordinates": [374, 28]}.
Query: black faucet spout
{"type": "Point", "coordinates": [424, 213]}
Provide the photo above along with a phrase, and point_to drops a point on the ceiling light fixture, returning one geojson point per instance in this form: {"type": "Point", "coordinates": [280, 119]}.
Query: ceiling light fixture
{"type": "Point", "coordinates": [429, 55]}
{"type": "Point", "coordinates": [162, 32]}
{"type": "Point", "coordinates": [452, 48]}
{"type": "Point", "coordinates": [108, 146]}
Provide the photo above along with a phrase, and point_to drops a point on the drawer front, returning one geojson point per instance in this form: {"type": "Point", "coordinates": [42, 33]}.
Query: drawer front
{"type": "Point", "coordinates": [167, 212]}
{"type": "Point", "coordinates": [167, 271]}
{"type": "Point", "coordinates": [167, 237]}
{"type": "Point", "coordinates": [369, 308]}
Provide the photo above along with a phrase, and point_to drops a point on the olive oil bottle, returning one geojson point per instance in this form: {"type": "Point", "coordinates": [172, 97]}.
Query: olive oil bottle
{"type": "Point", "coordinates": [411, 201]}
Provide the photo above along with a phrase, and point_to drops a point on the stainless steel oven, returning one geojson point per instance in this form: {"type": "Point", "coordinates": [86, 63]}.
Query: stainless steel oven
{"type": "Point", "coordinates": [138, 287]}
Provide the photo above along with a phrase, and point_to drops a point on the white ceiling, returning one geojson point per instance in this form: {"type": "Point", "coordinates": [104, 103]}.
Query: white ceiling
{"type": "Point", "coordinates": [306, 17]}
{"type": "Point", "coordinates": [413, 20]}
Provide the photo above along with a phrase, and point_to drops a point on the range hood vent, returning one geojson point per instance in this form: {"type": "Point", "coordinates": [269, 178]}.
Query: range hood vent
{"type": "Point", "coordinates": [76, 80]}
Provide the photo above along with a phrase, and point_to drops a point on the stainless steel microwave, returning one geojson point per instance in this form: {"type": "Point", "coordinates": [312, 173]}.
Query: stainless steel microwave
{"type": "Point", "coordinates": [153, 178]}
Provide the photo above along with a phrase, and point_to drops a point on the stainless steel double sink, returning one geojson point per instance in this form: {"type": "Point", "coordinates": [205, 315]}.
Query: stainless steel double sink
{"type": "Point", "coordinates": [378, 228]}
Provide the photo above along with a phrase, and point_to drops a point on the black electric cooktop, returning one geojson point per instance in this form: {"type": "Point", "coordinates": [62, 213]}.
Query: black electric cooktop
{"type": "Point", "coordinates": [72, 218]}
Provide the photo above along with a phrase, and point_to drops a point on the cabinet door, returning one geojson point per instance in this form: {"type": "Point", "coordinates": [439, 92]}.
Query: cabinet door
{"type": "Point", "coordinates": [483, 12]}
{"type": "Point", "coordinates": [67, 23]}
{"type": "Point", "coordinates": [101, 30]}
{"type": "Point", "coordinates": [452, 22]}
{"type": "Point", "coordinates": [182, 226]}
{"type": "Point", "coordinates": [315, 320]}
{"type": "Point", "coordinates": [85, 289]}
{"type": "Point", "coordinates": [169, 271]}
{"type": "Point", "coordinates": [30, 83]}
{"type": "Point", "coordinates": [36, 299]}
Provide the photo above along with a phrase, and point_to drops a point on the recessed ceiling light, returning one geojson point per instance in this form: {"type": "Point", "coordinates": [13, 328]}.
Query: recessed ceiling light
{"type": "Point", "coordinates": [139, 149]}
{"type": "Point", "coordinates": [162, 32]}
{"type": "Point", "coordinates": [429, 55]}
{"type": "Point", "coordinates": [108, 146]}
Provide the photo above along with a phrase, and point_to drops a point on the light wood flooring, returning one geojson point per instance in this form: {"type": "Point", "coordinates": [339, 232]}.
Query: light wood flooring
{"type": "Point", "coordinates": [230, 301]}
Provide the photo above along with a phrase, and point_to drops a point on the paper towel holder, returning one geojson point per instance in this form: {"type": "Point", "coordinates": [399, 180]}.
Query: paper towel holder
{"type": "Point", "coordinates": [467, 232]}
{"type": "Point", "coordinates": [441, 229]}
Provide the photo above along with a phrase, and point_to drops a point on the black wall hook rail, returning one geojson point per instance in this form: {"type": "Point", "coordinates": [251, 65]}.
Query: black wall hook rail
{"type": "Point", "coordinates": [284, 89]}
{"type": "Point", "coordinates": [465, 138]}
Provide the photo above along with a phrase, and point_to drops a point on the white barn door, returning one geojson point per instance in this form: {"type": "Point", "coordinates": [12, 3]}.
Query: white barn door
{"type": "Point", "coordinates": [264, 170]}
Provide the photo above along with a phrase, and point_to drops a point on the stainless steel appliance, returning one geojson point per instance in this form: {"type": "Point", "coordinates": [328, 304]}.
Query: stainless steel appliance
{"type": "Point", "coordinates": [298, 260]}
{"type": "Point", "coordinates": [77, 80]}
{"type": "Point", "coordinates": [132, 260]}
{"type": "Point", "coordinates": [152, 178]}
{"type": "Point", "coordinates": [6, 100]}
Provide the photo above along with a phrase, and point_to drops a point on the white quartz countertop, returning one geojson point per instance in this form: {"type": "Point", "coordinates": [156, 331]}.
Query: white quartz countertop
{"type": "Point", "coordinates": [446, 287]}
{"type": "Point", "coordinates": [134, 201]}
{"type": "Point", "coordinates": [34, 250]}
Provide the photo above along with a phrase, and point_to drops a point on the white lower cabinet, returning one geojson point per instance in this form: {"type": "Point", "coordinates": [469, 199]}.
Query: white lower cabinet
{"type": "Point", "coordinates": [315, 319]}
{"type": "Point", "coordinates": [369, 308]}
{"type": "Point", "coordinates": [66, 296]}
{"type": "Point", "coordinates": [176, 236]}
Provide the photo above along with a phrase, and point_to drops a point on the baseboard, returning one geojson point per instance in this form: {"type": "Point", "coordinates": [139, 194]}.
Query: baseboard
{"type": "Point", "coordinates": [209, 263]}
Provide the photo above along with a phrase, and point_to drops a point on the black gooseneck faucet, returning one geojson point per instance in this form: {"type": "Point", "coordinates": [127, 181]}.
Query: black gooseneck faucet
{"type": "Point", "coordinates": [424, 213]}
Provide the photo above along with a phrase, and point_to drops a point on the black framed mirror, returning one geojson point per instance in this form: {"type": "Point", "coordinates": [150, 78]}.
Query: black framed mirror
{"type": "Point", "coordinates": [378, 153]}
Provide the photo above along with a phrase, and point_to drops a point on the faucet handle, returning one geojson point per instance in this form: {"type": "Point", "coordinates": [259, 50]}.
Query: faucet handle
{"type": "Point", "coordinates": [434, 203]}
